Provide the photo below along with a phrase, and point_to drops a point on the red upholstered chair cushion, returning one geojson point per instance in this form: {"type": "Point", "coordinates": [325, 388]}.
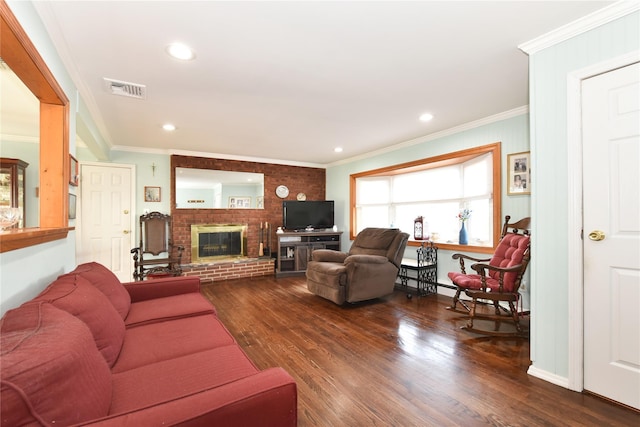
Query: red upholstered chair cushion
{"type": "Point", "coordinates": [510, 252]}
{"type": "Point", "coordinates": [75, 295]}
{"type": "Point", "coordinates": [107, 282]}
{"type": "Point", "coordinates": [51, 371]}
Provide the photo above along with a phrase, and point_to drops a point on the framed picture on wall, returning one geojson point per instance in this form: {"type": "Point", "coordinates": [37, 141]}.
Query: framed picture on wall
{"type": "Point", "coordinates": [73, 171]}
{"type": "Point", "coordinates": [72, 206]}
{"type": "Point", "coordinates": [519, 173]}
{"type": "Point", "coordinates": [152, 194]}
{"type": "Point", "coordinates": [236, 202]}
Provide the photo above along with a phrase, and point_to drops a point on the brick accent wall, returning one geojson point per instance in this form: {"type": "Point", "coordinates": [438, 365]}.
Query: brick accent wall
{"type": "Point", "coordinates": [298, 179]}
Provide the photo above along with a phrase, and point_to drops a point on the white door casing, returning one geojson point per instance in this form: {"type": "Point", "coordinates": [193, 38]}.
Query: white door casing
{"type": "Point", "coordinates": [106, 220]}
{"type": "Point", "coordinates": [611, 262]}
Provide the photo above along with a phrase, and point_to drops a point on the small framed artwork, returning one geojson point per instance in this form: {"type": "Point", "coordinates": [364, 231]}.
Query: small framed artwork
{"type": "Point", "coordinates": [236, 202]}
{"type": "Point", "coordinates": [152, 194]}
{"type": "Point", "coordinates": [519, 173]}
{"type": "Point", "coordinates": [73, 171]}
{"type": "Point", "coordinates": [72, 206]}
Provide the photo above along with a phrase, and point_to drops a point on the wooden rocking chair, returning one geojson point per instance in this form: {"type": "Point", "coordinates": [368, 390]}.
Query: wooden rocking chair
{"type": "Point", "coordinates": [163, 258]}
{"type": "Point", "coordinates": [496, 279]}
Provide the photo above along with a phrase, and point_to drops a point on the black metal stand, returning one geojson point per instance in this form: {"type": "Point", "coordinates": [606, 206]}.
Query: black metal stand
{"type": "Point", "coordinates": [426, 267]}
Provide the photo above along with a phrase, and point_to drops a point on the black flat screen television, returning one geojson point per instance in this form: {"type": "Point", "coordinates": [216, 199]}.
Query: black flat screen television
{"type": "Point", "coordinates": [310, 214]}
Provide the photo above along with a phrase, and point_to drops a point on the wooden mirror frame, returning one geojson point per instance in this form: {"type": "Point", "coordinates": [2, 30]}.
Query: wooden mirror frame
{"type": "Point", "coordinates": [17, 50]}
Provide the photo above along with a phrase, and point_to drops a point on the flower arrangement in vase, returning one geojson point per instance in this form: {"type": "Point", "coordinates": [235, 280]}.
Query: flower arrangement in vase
{"type": "Point", "coordinates": [463, 216]}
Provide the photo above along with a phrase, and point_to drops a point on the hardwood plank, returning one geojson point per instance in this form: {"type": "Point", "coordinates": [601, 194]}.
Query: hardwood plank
{"type": "Point", "coordinates": [395, 361]}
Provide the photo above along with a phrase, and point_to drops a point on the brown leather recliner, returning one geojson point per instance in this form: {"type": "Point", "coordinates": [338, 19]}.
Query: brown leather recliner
{"type": "Point", "coordinates": [367, 271]}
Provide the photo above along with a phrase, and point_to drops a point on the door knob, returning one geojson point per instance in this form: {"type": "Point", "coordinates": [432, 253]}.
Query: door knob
{"type": "Point", "coordinates": [596, 235]}
{"type": "Point", "coordinates": [125, 231]}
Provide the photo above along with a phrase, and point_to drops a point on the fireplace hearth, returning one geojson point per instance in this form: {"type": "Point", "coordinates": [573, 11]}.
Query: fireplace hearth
{"type": "Point", "coordinates": [218, 242]}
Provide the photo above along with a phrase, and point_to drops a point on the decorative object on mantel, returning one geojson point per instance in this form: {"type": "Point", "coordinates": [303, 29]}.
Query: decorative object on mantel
{"type": "Point", "coordinates": [301, 197]}
{"type": "Point", "coordinates": [282, 191]}
{"type": "Point", "coordinates": [463, 216]}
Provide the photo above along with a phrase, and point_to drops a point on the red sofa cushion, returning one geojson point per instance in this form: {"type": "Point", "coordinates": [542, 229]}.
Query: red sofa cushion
{"type": "Point", "coordinates": [157, 342]}
{"type": "Point", "coordinates": [75, 295]}
{"type": "Point", "coordinates": [171, 379]}
{"type": "Point", "coordinates": [51, 370]}
{"type": "Point", "coordinates": [168, 308]}
{"type": "Point", "coordinates": [107, 282]}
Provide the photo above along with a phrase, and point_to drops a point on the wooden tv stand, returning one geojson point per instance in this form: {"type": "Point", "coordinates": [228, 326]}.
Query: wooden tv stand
{"type": "Point", "coordinates": [295, 248]}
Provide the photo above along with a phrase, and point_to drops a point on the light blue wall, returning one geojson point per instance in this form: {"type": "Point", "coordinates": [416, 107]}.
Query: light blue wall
{"type": "Point", "coordinates": [25, 272]}
{"type": "Point", "coordinates": [548, 96]}
{"type": "Point", "coordinates": [513, 133]}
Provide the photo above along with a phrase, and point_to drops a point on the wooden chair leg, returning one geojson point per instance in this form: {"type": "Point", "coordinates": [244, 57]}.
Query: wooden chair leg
{"type": "Point", "coordinates": [456, 297]}
{"type": "Point", "coordinates": [472, 314]}
{"type": "Point", "coordinates": [516, 316]}
{"type": "Point", "coordinates": [456, 300]}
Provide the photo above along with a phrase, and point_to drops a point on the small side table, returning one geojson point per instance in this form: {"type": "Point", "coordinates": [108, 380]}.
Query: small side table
{"type": "Point", "coordinates": [426, 267]}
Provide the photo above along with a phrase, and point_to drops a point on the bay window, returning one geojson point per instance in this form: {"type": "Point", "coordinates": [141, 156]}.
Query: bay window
{"type": "Point", "coordinates": [437, 189]}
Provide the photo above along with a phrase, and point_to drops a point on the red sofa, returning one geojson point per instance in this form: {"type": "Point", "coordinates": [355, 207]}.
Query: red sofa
{"type": "Point", "coordinates": [90, 350]}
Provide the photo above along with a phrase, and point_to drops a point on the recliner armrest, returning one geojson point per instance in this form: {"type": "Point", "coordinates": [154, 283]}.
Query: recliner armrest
{"type": "Point", "coordinates": [366, 259]}
{"type": "Point", "coordinates": [328, 255]}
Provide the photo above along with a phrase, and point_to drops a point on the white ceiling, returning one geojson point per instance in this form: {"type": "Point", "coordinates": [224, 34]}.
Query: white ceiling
{"type": "Point", "coordinates": [292, 80]}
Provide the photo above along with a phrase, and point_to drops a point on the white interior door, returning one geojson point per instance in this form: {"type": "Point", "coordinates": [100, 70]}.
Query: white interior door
{"type": "Point", "coordinates": [106, 222]}
{"type": "Point", "coordinates": [611, 194]}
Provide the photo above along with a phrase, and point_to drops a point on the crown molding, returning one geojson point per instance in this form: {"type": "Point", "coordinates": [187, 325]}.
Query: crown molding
{"type": "Point", "coordinates": [437, 135]}
{"type": "Point", "coordinates": [581, 25]}
{"type": "Point", "coordinates": [169, 152]}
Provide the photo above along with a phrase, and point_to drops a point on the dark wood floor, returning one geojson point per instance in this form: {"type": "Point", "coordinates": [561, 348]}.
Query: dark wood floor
{"type": "Point", "coordinates": [395, 362]}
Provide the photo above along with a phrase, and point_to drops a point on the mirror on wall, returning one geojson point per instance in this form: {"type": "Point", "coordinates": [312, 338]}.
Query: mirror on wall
{"type": "Point", "coordinates": [19, 140]}
{"type": "Point", "coordinates": [217, 189]}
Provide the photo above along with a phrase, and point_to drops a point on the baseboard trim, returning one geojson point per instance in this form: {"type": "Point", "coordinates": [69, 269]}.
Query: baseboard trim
{"type": "Point", "coordinates": [548, 376]}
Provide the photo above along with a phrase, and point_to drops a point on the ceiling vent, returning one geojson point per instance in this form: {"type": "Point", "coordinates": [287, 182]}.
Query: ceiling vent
{"type": "Point", "coordinates": [120, 88]}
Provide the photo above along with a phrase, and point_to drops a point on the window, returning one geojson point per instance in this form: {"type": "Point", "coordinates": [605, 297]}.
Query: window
{"type": "Point", "coordinates": [437, 189]}
{"type": "Point", "coordinates": [21, 55]}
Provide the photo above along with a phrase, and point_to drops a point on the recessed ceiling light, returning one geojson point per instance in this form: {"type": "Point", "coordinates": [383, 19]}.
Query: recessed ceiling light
{"type": "Point", "coordinates": [426, 117]}
{"type": "Point", "coordinates": [169, 127]}
{"type": "Point", "coordinates": [181, 51]}
{"type": "Point", "coordinates": [338, 149]}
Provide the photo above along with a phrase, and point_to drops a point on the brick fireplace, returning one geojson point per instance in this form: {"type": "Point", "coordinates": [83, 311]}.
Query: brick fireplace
{"type": "Point", "coordinates": [298, 179]}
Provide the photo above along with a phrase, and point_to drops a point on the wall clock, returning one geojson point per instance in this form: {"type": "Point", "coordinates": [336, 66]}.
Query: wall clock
{"type": "Point", "coordinates": [301, 197]}
{"type": "Point", "coordinates": [282, 191]}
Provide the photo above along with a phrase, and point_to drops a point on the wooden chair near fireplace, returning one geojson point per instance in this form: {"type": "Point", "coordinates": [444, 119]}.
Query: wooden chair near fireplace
{"type": "Point", "coordinates": [156, 255]}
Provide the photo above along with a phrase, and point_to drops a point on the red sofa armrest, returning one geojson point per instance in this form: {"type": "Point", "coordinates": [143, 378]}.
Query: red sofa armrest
{"type": "Point", "coordinates": [267, 399]}
{"type": "Point", "coordinates": [163, 287]}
